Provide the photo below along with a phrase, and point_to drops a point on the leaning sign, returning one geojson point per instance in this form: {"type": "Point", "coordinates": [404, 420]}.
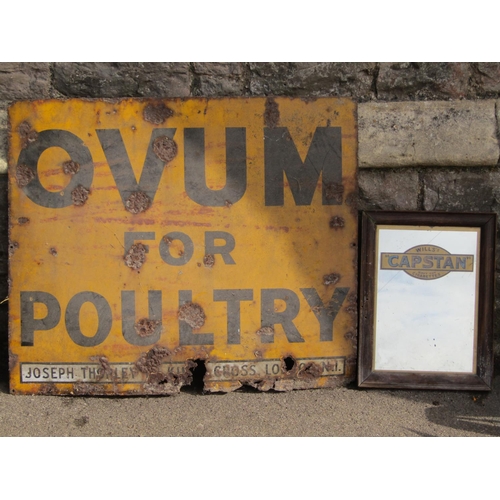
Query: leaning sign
{"type": "Point", "coordinates": [157, 241]}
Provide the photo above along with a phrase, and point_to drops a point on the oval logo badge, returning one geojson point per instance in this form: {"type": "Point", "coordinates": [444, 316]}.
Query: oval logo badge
{"type": "Point", "coordinates": [427, 262]}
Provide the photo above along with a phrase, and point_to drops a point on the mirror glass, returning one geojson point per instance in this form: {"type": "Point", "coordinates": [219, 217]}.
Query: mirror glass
{"type": "Point", "coordinates": [425, 305]}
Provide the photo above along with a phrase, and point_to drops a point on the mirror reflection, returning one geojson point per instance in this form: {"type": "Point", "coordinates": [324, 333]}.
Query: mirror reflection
{"type": "Point", "coordinates": [425, 306]}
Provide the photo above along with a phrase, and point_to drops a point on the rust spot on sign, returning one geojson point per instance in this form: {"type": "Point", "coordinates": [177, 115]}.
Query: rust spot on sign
{"type": "Point", "coordinates": [136, 256]}
{"type": "Point", "coordinates": [146, 327]}
{"type": "Point", "coordinates": [27, 134]}
{"type": "Point", "coordinates": [83, 388]}
{"type": "Point", "coordinates": [71, 167]}
{"type": "Point", "coordinates": [48, 389]}
{"type": "Point", "coordinates": [192, 314]}
{"type": "Point", "coordinates": [151, 361]}
{"type": "Point", "coordinates": [228, 204]}
{"type": "Point", "coordinates": [335, 191]}
{"type": "Point", "coordinates": [352, 310]}
{"type": "Point", "coordinates": [165, 148]}
{"type": "Point", "coordinates": [272, 113]}
{"type": "Point", "coordinates": [22, 220]}
{"type": "Point", "coordinates": [331, 279]}
{"type": "Point", "coordinates": [104, 368]}
{"type": "Point", "coordinates": [352, 337]}
{"type": "Point", "coordinates": [13, 246]}
{"type": "Point", "coordinates": [158, 382]}
{"type": "Point", "coordinates": [138, 202]}
{"type": "Point", "coordinates": [265, 330]}
{"type": "Point", "coordinates": [13, 358]}
{"type": "Point", "coordinates": [53, 252]}
{"type": "Point", "coordinates": [24, 175]}
{"type": "Point", "coordinates": [79, 196]}
{"type": "Point", "coordinates": [208, 260]}
{"type": "Point", "coordinates": [337, 222]}
{"type": "Point", "coordinates": [311, 370]}
{"type": "Point", "coordinates": [157, 113]}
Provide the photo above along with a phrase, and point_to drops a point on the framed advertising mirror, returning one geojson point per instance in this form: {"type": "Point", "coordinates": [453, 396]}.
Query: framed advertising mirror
{"type": "Point", "coordinates": [426, 300]}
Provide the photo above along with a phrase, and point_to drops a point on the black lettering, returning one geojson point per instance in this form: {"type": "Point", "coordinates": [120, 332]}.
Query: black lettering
{"type": "Point", "coordinates": [324, 156]}
{"type": "Point", "coordinates": [427, 262]}
{"type": "Point", "coordinates": [28, 374]}
{"type": "Point", "coordinates": [70, 372]}
{"type": "Point", "coordinates": [36, 372]}
{"type": "Point", "coordinates": [233, 299]}
{"type": "Point", "coordinates": [194, 165]}
{"type": "Point", "coordinates": [448, 263]}
{"type": "Point", "coordinates": [186, 335]}
{"type": "Point", "coordinates": [165, 248]}
{"type": "Point", "coordinates": [223, 250]}
{"type": "Point", "coordinates": [119, 163]}
{"type": "Point", "coordinates": [45, 372]}
{"type": "Point", "coordinates": [438, 259]}
{"type": "Point", "coordinates": [129, 317]}
{"type": "Point", "coordinates": [77, 151]}
{"type": "Point", "coordinates": [270, 317]}
{"type": "Point", "coordinates": [28, 322]}
{"type": "Point", "coordinates": [325, 315]}
{"type": "Point", "coordinates": [404, 261]}
{"type": "Point", "coordinates": [73, 319]}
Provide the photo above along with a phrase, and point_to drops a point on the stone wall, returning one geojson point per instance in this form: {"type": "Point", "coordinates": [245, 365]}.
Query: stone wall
{"type": "Point", "coordinates": [428, 132]}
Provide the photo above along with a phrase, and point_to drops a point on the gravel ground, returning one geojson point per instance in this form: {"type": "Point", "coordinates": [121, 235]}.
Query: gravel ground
{"type": "Point", "coordinates": [320, 412]}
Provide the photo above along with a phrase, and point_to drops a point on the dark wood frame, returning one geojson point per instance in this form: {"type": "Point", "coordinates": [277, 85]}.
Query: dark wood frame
{"type": "Point", "coordinates": [479, 381]}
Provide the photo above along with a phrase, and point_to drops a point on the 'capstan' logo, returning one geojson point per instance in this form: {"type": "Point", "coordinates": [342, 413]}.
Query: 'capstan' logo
{"type": "Point", "coordinates": [427, 262]}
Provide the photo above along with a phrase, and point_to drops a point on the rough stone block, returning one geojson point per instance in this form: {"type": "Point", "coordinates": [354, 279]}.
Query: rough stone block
{"type": "Point", "coordinates": [420, 81]}
{"type": "Point", "coordinates": [218, 69]}
{"type": "Point", "coordinates": [460, 190]}
{"type": "Point", "coordinates": [313, 79]}
{"type": "Point", "coordinates": [122, 79]}
{"type": "Point", "coordinates": [461, 133]}
{"type": "Point", "coordinates": [388, 189]}
{"type": "Point", "coordinates": [217, 79]}
{"type": "Point", "coordinates": [486, 79]}
{"type": "Point", "coordinates": [24, 81]}
{"type": "Point", "coordinates": [215, 86]}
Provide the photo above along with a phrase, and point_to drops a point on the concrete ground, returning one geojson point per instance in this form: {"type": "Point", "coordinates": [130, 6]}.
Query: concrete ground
{"type": "Point", "coordinates": [320, 412]}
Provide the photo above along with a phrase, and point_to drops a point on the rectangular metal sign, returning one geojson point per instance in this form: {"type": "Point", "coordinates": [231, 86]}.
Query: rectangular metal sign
{"type": "Point", "coordinates": [153, 241]}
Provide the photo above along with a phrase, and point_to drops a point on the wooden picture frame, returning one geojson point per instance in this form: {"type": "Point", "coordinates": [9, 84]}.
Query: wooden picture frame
{"type": "Point", "coordinates": [427, 285]}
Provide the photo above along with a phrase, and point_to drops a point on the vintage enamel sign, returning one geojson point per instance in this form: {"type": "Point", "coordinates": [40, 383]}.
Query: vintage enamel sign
{"type": "Point", "coordinates": [156, 241]}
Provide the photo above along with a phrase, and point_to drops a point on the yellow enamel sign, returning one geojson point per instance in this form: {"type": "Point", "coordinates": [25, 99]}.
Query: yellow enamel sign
{"type": "Point", "coordinates": [157, 241]}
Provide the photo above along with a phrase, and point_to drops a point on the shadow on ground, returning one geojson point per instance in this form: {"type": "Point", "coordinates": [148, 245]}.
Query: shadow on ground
{"type": "Point", "coordinates": [475, 412]}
